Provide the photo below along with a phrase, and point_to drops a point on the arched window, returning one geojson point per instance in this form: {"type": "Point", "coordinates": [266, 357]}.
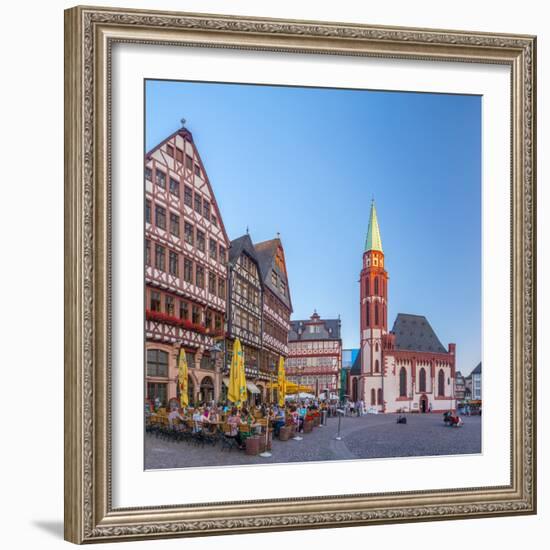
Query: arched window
{"type": "Point", "coordinates": [367, 286]}
{"type": "Point", "coordinates": [422, 380]}
{"type": "Point", "coordinates": [380, 396]}
{"type": "Point", "coordinates": [441, 383]}
{"type": "Point", "coordinates": [367, 307]}
{"type": "Point", "coordinates": [373, 397]}
{"type": "Point", "coordinates": [376, 314]}
{"type": "Point", "coordinates": [207, 389]}
{"type": "Point", "coordinates": [377, 348]}
{"type": "Point", "coordinates": [402, 382]}
{"type": "Point", "coordinates": [376, 286]}
{"type": "Point", "coordinates": [377, 364]}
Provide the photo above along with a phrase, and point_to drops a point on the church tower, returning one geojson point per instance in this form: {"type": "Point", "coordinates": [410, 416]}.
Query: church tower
{"type": "Point", "coordinates": [374, 311]}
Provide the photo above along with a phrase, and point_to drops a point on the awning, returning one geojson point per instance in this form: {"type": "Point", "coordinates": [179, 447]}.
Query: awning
{"type": "Point", "coordinates": [252, 388]}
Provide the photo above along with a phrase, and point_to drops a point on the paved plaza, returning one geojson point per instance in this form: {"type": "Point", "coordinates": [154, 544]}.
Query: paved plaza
{"type": "Point", "coordinates": [370, 436]}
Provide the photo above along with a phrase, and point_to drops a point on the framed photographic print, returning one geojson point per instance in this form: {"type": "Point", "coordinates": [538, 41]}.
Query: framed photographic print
{"type": "Point", "coordinates": [300, 274]}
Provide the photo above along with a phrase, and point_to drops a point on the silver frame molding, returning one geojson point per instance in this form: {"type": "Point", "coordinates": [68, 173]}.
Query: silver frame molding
{"type": "Point", "coordinates": [89, 35]}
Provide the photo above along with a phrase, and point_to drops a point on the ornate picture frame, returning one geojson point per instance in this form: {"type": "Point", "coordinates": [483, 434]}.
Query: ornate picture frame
{"type": "Point", "coordinates": [89, 36]}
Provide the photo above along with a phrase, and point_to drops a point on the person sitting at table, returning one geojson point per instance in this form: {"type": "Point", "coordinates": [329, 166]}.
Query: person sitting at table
{"type": "Point", "coordinates": [295, 417]}
{"type": "Point", "coordinates": [279, 420]}
{"type": "Point", "coordinates": [248, 418]}
{"type": "Point", "coordinates": [174, 413]}
{"type": "Point", "coordinates": [234, 421]}
{"type": "Point", "coordinates": [214, 415]}
{"type": "Point", "coordinates": [198, 419]}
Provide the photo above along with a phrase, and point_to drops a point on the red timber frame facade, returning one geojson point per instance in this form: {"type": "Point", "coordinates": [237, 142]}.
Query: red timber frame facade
{"type": "Point", "coordinates": [315, 362]}
{"type": "Point", "coordinates": [186, 268]}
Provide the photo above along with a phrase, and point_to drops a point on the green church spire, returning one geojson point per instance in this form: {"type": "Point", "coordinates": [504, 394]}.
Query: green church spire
{"type": "Point", "coordinates": [373, 242]}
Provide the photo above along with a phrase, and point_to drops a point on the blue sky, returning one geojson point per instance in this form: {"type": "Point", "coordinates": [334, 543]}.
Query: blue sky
{"type": "Point", "coordinates": [306, 162]}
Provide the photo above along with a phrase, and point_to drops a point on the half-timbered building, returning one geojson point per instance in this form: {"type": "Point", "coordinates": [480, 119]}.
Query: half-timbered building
{"type": "Point", "coordinates": [276, 308]}
{"type": "Point", "coordinates": [406, 369]}
{"type": "Point", "coordinates": [244, 311]}
{"type": "Point", "coordinates": [185, 270]}
{"type": "Point", "coordinates": [315, 353]}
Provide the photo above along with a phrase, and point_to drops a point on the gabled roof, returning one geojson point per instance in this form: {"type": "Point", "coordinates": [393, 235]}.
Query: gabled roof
{"type": "Point", "coordinates": [373, 241]}
{"type": "Point", "coordinates": [240, 245]}
{"type": "Point", "coordinates": [243, 244]}
{"type": "Point", "coordinates": [477, 370]}
{"type": "Point", "coordinates": [187, 135]}
{"type": "Point", "coordinates": [329, 329]}
{"type": "Point", "coordinates": [266, 252]}
{"type": "Point", "coordinates": [414, 333]}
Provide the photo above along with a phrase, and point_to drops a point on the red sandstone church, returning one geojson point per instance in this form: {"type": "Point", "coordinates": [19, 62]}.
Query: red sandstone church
{"type": "Point", "coordinates": [406, 369]}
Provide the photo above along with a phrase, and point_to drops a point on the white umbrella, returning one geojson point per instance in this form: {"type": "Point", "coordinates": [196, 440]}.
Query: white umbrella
{"type": "Point", "coordinates": [301, 395]}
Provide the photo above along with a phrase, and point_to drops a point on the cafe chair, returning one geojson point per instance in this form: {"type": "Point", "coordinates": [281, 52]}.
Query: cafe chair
{"type": "Point", "coordinates": [227, 441]}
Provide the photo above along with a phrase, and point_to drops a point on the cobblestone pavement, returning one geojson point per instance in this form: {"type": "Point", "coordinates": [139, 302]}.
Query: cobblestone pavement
{"type": "Point", "coordinates": [370, 436]}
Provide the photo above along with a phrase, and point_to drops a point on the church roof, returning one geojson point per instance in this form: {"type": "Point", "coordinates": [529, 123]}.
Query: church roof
{"type": "Point", "coordinates": [414, 333]}
{"type": "Point", "coordinates": [356, 367]}
{"type": "Point", "coordinates": [373, 241]}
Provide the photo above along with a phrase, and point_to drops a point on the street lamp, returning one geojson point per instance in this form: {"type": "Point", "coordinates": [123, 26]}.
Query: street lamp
{"type": "Point", "coordinates": [272, 377]}
{"type": "Point", "coordinates": [214, 350]}
{"type": "Point", "coordinates": [299, 368]}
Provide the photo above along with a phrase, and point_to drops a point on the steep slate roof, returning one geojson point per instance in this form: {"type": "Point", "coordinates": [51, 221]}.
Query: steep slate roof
{"type": "Point", "coordinates": [373, 241]}
{"type": "Point", "coordinates": [356, 367]}
{"type": "Point", "coordinates": [414, 332]}
{"type": "Point", "coordinates": [330, 330]}
{"type": "Point", "coordinates": [266, 252]}
{"type": "Point", "coordinates": [477, 370]}
{"type": "Point", "coordinates": [240, 245]}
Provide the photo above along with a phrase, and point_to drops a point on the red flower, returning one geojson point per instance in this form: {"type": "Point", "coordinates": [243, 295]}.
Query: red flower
{"type": "Point", "coordinates": [172, 320]}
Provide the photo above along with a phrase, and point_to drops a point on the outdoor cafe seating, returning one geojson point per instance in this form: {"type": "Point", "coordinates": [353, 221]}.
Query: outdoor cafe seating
{"type": "Point", "coordinates": [252, 432]}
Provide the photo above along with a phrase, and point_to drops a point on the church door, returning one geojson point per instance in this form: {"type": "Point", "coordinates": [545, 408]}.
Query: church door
{"type": "Point", "coordinates": [423, 404]}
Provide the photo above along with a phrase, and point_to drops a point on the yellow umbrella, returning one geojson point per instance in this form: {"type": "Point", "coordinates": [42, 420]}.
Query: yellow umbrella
{"type": "Point", "coordinates": [291, 387]}
{"type": "Point", "coordinates": [242, 386]}
{"type": "Point", "coordinates": [281, 380]}
{"type": "Point", "coordinates": [183, 379]}
{"type": "Point", "coordinates": [237, 380]}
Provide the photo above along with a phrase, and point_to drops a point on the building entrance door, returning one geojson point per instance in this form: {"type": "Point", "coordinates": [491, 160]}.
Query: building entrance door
{"type": "Point", "coordinates": [423, 404]}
